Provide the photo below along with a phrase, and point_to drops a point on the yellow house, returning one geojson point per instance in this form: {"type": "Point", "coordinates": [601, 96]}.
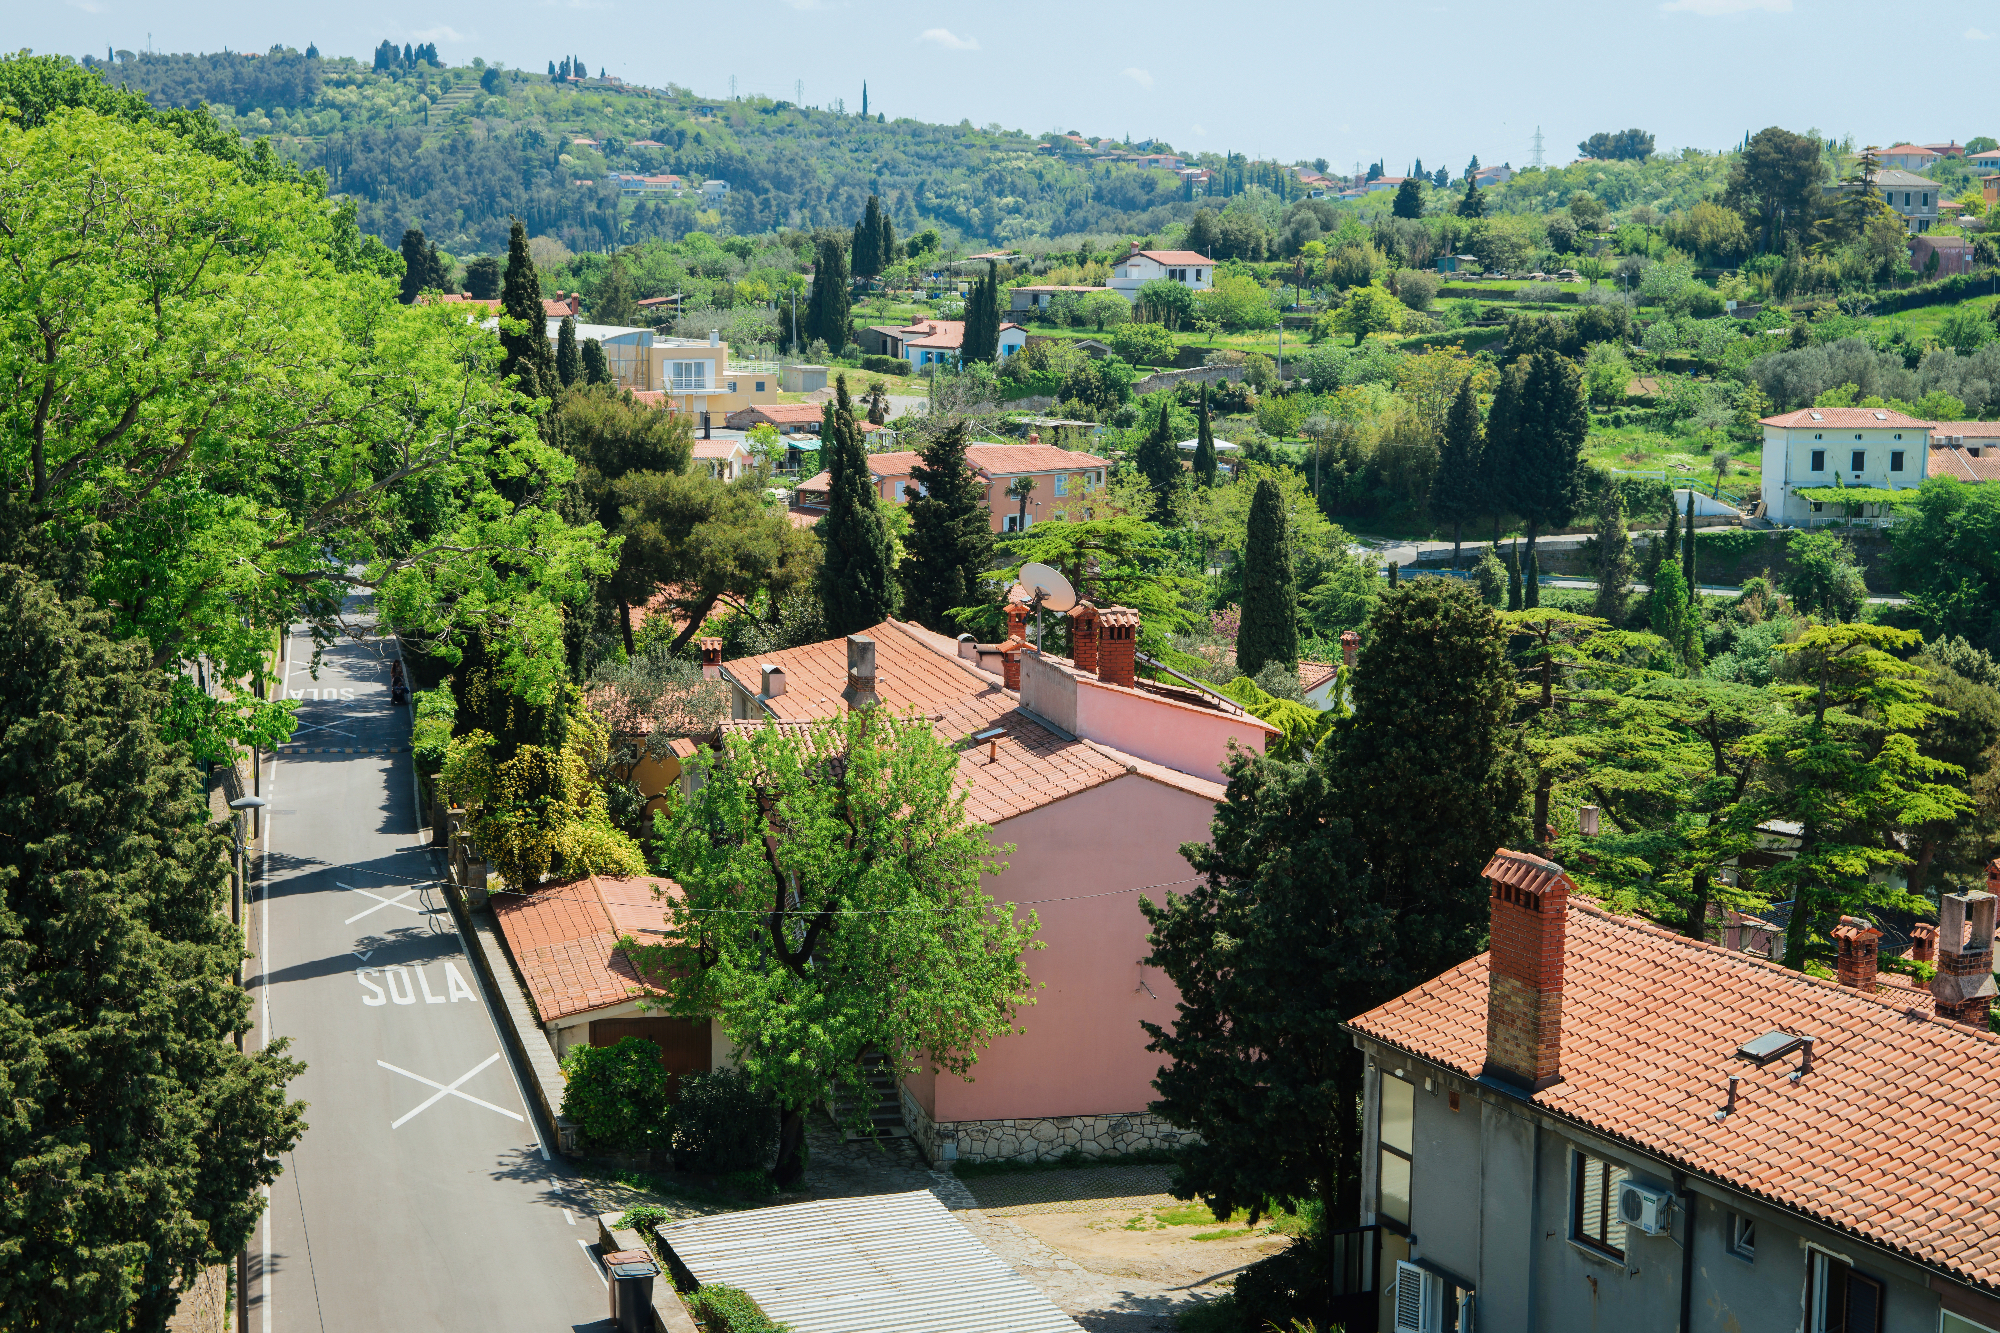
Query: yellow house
{"type": "Point", "coordinates": [690, 375]}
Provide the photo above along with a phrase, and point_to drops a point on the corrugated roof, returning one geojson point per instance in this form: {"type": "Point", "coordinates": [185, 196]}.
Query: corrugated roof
{"type": "Point", "coordinates": [887, 1261]}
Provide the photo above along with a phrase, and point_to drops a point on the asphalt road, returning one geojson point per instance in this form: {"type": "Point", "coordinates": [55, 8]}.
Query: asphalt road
{"type": "Point", "coordinates": [420, 1196]}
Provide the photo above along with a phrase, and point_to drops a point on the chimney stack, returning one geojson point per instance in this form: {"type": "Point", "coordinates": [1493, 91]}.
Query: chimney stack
{"type": "Point", "coordinates": [774, 680]}
{"type": "Point", "coordinates": [1117, 641]}
{"type": "Point", "coordinates": [1859, 943]}
{"type": "Point", "coordinates": [1083, 636]}
{"type": "Point", "coordinates": [711, 659]}
{"type": "Point", "coordinates": [1963, 987]}
{"type": "Point", "coordinates": [1586, 820]}
{"type": "Point", "coordinates": [1530, 906]}
{"type": "Point", "coordinates": [1017, 620]}
{"type": "Point", "coordinates": [1350, 645]}
{"type": "Point", "coordinates": [1010, 662]}
{"type": "Point", "coordinates": [860, 691]}
{"type": "Point", "coordinates": [1923, 943]}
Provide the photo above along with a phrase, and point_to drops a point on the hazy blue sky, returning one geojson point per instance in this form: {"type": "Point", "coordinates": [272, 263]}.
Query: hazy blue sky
{"type": "Point", "coordinates": [1343, 81]}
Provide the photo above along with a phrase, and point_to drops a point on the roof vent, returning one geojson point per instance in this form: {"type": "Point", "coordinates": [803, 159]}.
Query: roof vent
{"type": "Point", "coordinates": [1771, 1046]}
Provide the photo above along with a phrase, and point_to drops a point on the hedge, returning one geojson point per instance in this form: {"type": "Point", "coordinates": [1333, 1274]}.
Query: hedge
{"type": "Point", "coordinates": [726, 1310]}
{"type": "Point", "coordinates": [886, 365]}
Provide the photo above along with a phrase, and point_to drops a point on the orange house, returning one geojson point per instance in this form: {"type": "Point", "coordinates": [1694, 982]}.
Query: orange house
{"type": "Point", "coordinates": [1059, 483]}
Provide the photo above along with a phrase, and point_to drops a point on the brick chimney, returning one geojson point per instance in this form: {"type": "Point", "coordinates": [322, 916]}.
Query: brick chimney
{"type": "Point", "coordinates": [1923, 943]}
{"type": "Point", "coordinates": [1083, 636]}
{"type": "Point", "coordinates": [1859, 941]}
{"type": "Point", "coordinates": [1963, 987]}
{"type": "Point", "coordinates": [1010, 661]}
{"type": "Point", "coordinates": [711, 659]}
{"type": "Point", "coordinates": [1530, 906]}
{"type": "Point", "coordinates": [1017, 620]}
{"type": "Point", "coordinates": [1117, 641]}
{"type": "Point", "coordinates": [1350, 645]}
{"type": "Point", "coordinates": [860, 691]}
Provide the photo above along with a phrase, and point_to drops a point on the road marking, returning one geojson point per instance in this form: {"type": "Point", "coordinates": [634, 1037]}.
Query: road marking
{"type": "Point", "coordinates": [323, 726]}
{"type": "Point", "coordinates": [569, 1217]}
{"type": "Point", "coordinates": [362, 954]}
{"type": "Point", "coordinates": [425, 982]}
{"type": "Point", "coordinates": [380, 902]}
{"type": "Point", "coordinates": [455, 986]}
{"type": "Point", "coordinates": [595, 1266]}
{"type": "Point", "coordinates": [444, 1090]}
{"type": "Point", "coordinates": [361, 975]}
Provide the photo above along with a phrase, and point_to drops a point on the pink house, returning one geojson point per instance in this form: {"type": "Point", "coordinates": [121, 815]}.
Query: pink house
{"type": "Point", "coordinates": [1060, 483]}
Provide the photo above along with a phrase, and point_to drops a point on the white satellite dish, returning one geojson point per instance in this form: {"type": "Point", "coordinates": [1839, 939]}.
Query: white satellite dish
{"type": "Point", "coordinates": [1048, 587]}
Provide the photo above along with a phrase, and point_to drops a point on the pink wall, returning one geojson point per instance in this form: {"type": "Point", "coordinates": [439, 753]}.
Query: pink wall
{"type": "Point", "coordinates": [1180, 736]}
{"type": "Point", "coordinates": [1082, 1051]}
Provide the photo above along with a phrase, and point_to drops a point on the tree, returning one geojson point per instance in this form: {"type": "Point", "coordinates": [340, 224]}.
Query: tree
{"type": "Point", "coordinates": [529, 362]}
{"type": "Point", "coordinates": [1947, 554]}
{"type": "Point", "coordinates": [1675, 620]}
{"type": "Point", "coordinates": [1548, 443]}
{"type": "Point", "coordinates": [132, 1118]}
{"type": "Point", "coordinates": [1514, 598]}
{"type": "Point", "coordinates": [1143, 343]}
{"type": "Point", "coordinates": [1368, 310]}
{"type": "Point", "coordinates": [831, 904]}
{"type": "Point", "coordinates": [950, 545]}
{"type": "Point", "coordinates": [1623, 146]}
{"type": "Point", "coordinates": [866, 247]}
{"type": "Point", "coordinates": [596, 368]}
{"type": "Point", "coordinates": [1473, 205]}
{"type": "Point", "coordinates": [1614, 555]}
{"type": "Point", "coordinates": [1409, 201]}
{"type": "Point", "coordinates": [1159, 460]}
{"type": "Point", "coordinates": [1204, 445]}
{"type": "Point", "coordinates": [1165, 302]}
{"type": "Point", "coordinates": [1821, 576]}
{"type": "Point", "coordinates": [1106, 307]}
{"type": "Point", "coordinates": [1121, 561]}
{"type": "Point", "coordinates": [1459, 494]}
{"type": "Point", "coordinates": [569, 362]}
{"type": "Point", "coordinates": [982, 319]}
{"type": "Point", "coordinates": [856, 574]}
{"type": "Point", "coordinates": [828, 310]}
{"type": "Point", "coordinates": [423, 268]}
{"type": "Point", "coordinates": [614, 304]}
{"type": "Point", "coordinates": [1687, 556]}
{"type": "Point", "coordinates": [482, 278]}
{"type": "Point", "coordinates": [1774, 182]}
{"type": "Point", "coordinates": [1270, 629]}
{"type": "Point", "coordinates": [1020, 490]}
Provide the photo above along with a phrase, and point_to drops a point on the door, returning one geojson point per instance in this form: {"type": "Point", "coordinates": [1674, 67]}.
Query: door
{"type": "Point", "coordinates": [683, 1043]}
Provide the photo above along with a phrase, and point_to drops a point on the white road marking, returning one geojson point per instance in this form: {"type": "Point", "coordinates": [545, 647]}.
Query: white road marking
{"type": "Point", "coordinates": [455, 986]}
{"type": "Point", "coordinates": [362, 954]}
{"type": "Point", "coordinates": [444, 1090]}
{"type": "Point", "coordinates": [595, 1266]}
{"type": "Point", "coordinates": [361, 975]}
{"type": "Point", "coordinates": [569, 1217]}
{"type": "Point", "coordinates": [380, 902]}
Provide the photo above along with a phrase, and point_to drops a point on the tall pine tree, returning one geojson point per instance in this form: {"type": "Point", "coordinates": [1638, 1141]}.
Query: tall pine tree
{"type": "Point", "coordinates": [1614, 557]}
{"type": "Point", "coordinates": [1500, 459]}
{"type": "Point", "coordinates": [982, 318]}
{"type": "Point", "coordinates": [867, 256]}
{"type": "Point", "coordinates": [417, 259]}
{"type": "Point", "coordinates": [1270, 626]}
{"type": "Point", "coordinates": [1549, 435]}
{"type": "Point", "coordinates": [857, 565]}
{"type": "Point", "coordinates": [614, 304]}
{"type": "Point", "coordinates": [1204, 445]}
{"type": "Point", "coordinates": [1459, 494]}
{"type": "Point", "coordinates": [569, 361]}
{"type": "Point", "coordinates": [1687, 551]}
{"type": "Point", "coordinates": [885, 241]}
{"type": "Point", "coordinates": [951, 535]}
{"type": "Point", "coordinates": [829, 311]}
{"type": "Point", "coordinates": [528, 359]}
{"type": "Point", "coordinates": [1159, 460]}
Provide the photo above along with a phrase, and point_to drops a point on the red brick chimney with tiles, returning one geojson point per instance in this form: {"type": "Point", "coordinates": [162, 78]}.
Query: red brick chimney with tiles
{"type": "Point", "coordinates": [1117, 641]}
{"type": "Point", "coordinates": [1963, 987]}
{"type": "Point", "coordinates": [1010, 662]}
{"type": "Point", "coordinates": [1017, 621]}
{"type": "Point", "coordinates": [1530, 906]}
{"type": "Point", "coordinates": [1859, 943]}
{"type": "Point", "coordinates": [1923, 943]}
{"type": "Point", "coordinates": [711, 659]}
{"type": "Point", "coordinates": [1350, 645]}
{"type": "Point", "coordinates": [1083, 636]}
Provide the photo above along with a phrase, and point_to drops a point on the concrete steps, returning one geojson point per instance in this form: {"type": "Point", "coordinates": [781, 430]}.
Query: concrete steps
{"type": "Point", "coordinates": [885, 1104]}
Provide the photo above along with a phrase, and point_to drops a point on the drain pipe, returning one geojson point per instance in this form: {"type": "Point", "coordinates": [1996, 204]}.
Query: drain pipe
{"type": "Point", "coordinates": [1686, 1200]}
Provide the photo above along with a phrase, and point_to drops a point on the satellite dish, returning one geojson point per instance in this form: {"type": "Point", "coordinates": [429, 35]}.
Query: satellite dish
{"type": "Point", "coordinates": [1050, 589]}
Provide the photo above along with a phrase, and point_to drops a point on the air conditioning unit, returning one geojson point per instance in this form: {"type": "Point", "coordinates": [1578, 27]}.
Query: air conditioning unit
{"type": "Point", "coordinates": [1646, 1207]}
{"type": "Point", "coordinates": [1419, 1300]}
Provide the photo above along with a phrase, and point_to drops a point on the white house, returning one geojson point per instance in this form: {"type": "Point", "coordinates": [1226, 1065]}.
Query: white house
{"type": "Point", "coordinates": [714, 189]}
{"type": "Point", "coordinates": [1490, 176]}
{"type": "Point", "coordinates": [1192, 270]}
{"type": "Point", "coordinates": [1908, 157]}
{"type": "Point", "coordinates": [933, 342]}
{"type": "Point", "coordinates": [1844, 446]}
{"type": "Point", "coordinates": [724, 459]}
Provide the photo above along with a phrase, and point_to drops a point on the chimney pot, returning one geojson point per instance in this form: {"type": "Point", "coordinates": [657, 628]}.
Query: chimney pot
{"type": "Point", "coordinates": [1963, 987]}
{"type": "Point", "coordinates": [1586, 820]}
{"type": "Point", "coordinates": [968, 649]}
{"type": "Point", "coordinates": [1350, 646]}
{"type": "Point", "coordinates": [1530, 907]}
{"type": "Point", "coordinates": [1117, 643]}
{"type": "Point", "coordinates": [1923, 942]}
{"type": "Point", "coordinates": [860, 691]}
{"type": "Point", "coordinates": [1010, 662]}
{"type": "Point", "coordinates": [711, 659]}
{"type": "Point", "coordinates": [1083, 636]}
{"type": "Point", "coordinates": [774, 680]}
{"type": "Point", "coordinates": [1859, 942]}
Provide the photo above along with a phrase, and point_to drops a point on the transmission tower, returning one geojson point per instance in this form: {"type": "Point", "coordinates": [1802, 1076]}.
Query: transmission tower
{"type": "Point", "coordinates": [799, 91]}
{"type": "Point", "coordinates": [1536, 160]}
{"type": "Point", "coordinates": [732, 87]}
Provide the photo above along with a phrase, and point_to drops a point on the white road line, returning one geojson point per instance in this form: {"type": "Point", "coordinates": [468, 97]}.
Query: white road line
{"type": "Point", "coordinates": [380, 902]}
{"type": "Point", "coordinates": [569, 1217]}
{"type": "Point", "coordinates": [264, 975]}
{"type": "Point", "coordinates": [444, 1090]}
{"type": "Point", "coordinates": [595, 1266]}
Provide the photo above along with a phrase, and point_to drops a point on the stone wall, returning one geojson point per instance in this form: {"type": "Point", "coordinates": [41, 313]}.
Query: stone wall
{"type": "Point", "coordinates": [1198, 375]}
{"type": "Point", "coordinates": [1039, 1140]}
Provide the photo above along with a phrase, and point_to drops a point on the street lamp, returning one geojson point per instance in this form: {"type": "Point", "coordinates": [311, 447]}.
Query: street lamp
{"type": "Point", "coordinates": [242, 805]}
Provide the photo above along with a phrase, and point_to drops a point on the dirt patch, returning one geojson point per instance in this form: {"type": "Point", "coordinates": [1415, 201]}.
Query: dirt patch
{"type": "Point", "coordinates": [1153, 1245]}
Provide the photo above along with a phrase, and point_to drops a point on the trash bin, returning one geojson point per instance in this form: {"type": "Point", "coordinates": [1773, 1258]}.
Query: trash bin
{"type": "Point", "coordinates": [632, 1273]}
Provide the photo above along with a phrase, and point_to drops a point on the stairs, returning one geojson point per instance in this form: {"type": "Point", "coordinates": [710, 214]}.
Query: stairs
{"type": "Point", "coordinates": [885, 1103]}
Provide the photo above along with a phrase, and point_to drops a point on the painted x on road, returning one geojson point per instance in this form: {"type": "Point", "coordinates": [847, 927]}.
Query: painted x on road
{"type": "Point", "coordinates": [444, 1090]}
{"type": "Point", "coordinates": [380, 902]}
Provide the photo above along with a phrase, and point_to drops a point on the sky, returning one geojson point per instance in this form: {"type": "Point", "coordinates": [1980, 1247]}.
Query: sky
{"type": "Point", "coordinates": [1350, 82]}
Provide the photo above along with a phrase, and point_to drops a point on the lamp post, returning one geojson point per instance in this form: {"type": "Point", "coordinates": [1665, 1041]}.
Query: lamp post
{"type": "Point", "coordinates": [242, 805]}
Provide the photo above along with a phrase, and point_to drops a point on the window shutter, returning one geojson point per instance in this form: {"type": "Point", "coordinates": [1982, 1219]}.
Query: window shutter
{"type": "Point", "coordinates": [1864, 1304]}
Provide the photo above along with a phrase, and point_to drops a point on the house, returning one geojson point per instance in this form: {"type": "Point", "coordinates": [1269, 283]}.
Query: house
{"type": "Point", "coordinates": [1967, 450]}
{"type": "Point", "coordinates": [662, 306]}
{"type": "Point", "coordinates": [1059, 482]}
{"type": "Point", "coordinates": [801, 378]}
{"type": "Point", "coordinates": [1191, 269]}
{"type": "Point", "coordinates": [725, 460]}
{"type": "Point", "coordinates": [1943, 150]}
{"type": "Point", "coordinates": [687, 374]}
{"type": "Point", "coordinates": [1458, 264]}
{"type": "Point", "coordinates": [1382, 184]}
{"type": "Point", "coordinates": [1225, 453]}
{"type": "Point", "coordinates": [1844, 446]}
{"type": "Point", "coordinates": [1912, 196]}
{"type": "Point", "coordinates": [1985, 163]}
{"type": "Point", "coordinates": [714, 189]}
{"type": "Point", "coordinates": [1600, 1122]}
{"type": "Point", "coordinates": [1095, 776]}
{"type": "Point", "coordinates": [631, 184]}
{"type": "Point", "coordinates": [1907, 157]}
{"type": "Point", "coordinates": [1037, 297]}
{"type": "Point", "coordinates": [1499, 175]}
{"type": "Point", "coordinates": [1953, 254]}
{"type": "Point", "coordinates": [938, 342]}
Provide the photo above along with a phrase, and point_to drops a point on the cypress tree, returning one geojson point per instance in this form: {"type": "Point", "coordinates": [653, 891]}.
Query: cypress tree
{"type": "Point", "coordinates": [829, 309]}
{"type": "Point", "coordinates": [982, 318]}
{"type": "Point", "coordinates": [1670, 545]}
{"type": "Point", "coordinates": [1204, 445]}
{"type": "Point", "coordinates": [1614, 557]}
{"type": "Point", "coordinates": [885, 241]}
{"type": "Point", "coordinates": [951, 535]}
{"type": "Point", "coordinates": [1500, 458]}
{"type": "Point", "coordinates": [569, 362]}
{"type": "Point", "coordinates": [416, 266]}
{"type": "Point", "coordinates": [867, 245]}
{"type": "Point", "coordinates": [857, 565]}
{"type": "Point", "coordinates": [136, 1135]}
{"type": "Point", "coordinates": [1514, 576]}
{"type": "Point", "coordinates": [614, 304]}
{"type": "Point", "coordinates": [436, 275]}
{"type": "Point", "coordinates": [1460, 491]}
{"type": "Point", "coordinates": [1270, 627]}
{"type": "Point", "coordinates": [528, 360]}
{"type": "Point", "coordinates": [1531, 580]}
{"type": "Point", "coordinates": [1548, 464]}
{"type": "Point", "coordinates": [1687, 549]}
{"type": "Point", "coordinates": [596, 367]}
{"type": "Point", "coordinates": [1474, 203]}
{"type": "Point", "coordinates": [1159, 461]}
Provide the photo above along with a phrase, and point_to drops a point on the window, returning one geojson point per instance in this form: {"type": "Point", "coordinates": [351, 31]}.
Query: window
{"type": "Point", "coordinates": [1895, 460]}
{"type": "Point", "coordinates": [1859, 460]}
{"type": "Point", "coordinates": [1062, 483]}
{"type": "Point", "coordinates": [1927, 201]}
{"type": "Point", "coordinates": [1817, 506]}
{"type": "Point", "coordinates": [1392, 1173]}
{"type": "Point", "coordinates": [760, 386]}
{"type": "Point", "coordinates": [1594, 1204]}
{"type": "Point", "coordinates": [1840, 1300]}
{"type": "Point", "coordinates": [732, 386]}
{"type": "Point", "coordinates": [689, 376]}
{"type": "Point", "coordinates": [1819, 460]}
{"type": "Point", "coordinates": [1819, 437]}
{"type": "Point", "coordinates": [1899, 435]}
{"type": "Point", "coordinates": [1743, 1236]}
{"type": "Point", "coordinates": [1952, 1323]}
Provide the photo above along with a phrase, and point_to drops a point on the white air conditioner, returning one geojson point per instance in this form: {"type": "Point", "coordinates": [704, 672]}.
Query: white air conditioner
{"type": "Point", "coordinates": [1646, 1207]}
{"type": "Point", "coordinates": [1419, 1300]}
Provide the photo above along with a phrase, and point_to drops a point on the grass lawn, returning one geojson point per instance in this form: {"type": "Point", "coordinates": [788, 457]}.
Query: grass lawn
{"type": "Point", "coordinates": [1926, 321]}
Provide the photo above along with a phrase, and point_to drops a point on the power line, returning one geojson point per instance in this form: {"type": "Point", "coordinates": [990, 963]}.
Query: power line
{"type": "Point", "coordinates": [885, 911]}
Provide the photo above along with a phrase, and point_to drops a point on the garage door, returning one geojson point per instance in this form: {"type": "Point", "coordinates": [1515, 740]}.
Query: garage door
{"type": "Point", "coordinates": [683, 1043]}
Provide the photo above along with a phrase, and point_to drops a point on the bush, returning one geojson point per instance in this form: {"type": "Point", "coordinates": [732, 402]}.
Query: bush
{"type": "Point", "coordinates": [726, 1310]}
{"type": "Point", "coordinates": [1142, 343]}
{"type": "Point", "coordinates": [722, 1124]}
{"type": "Point", "coordinates": [436, 710]}
{"type": "Point", "coordinates": [885, 365]}
{"type": "Point", "coordinates": [1414, 287]}
{"type": "Point", "coordinates": [617, 1095]}
{"type": "Point", "coordinates": [1289, 1285]}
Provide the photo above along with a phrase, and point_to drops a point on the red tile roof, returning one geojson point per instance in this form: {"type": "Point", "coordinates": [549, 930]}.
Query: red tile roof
{"type": "Point", "coordinates": [988, 460]}
{"type": "Point", "coordinates": [1890, 1137]}
{"type": "Point", "coordinates": [1312, 675]}
{"type": "Point", "coordinates": [564, 940]}
{"type": "Point", "coordinates": [1173, 257]}
{"type": "Point", "coordinates": [1948, 462]}
{"type": "Point", "coordinates": [789, 414]}
{"type": "Point", "coordinates": [1845, 418]}
{"type": "Point", "coordinates": [1971, 430]}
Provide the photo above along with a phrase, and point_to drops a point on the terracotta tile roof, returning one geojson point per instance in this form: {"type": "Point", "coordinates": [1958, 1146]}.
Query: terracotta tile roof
{"type": "Point", "coordinates": [719, 448]}
{"type": "Point", "coordinates": [788, 414]}
{"type": "Point", "coordinates": [1971, 430]}
{"type": "Point", "coordinates": [1889, 1137]}
{"type": "Point", "coordinates": [1312, 675]}
{"type": "Point", "coordinates": [1845, 418]}
{"type": "Point", "coordinates": [1174, 257]}
{"type": "Point", "coordinates": [564, 940]}
{"type": "Point", "coordinates": [1948, 462]}
{"type": "Point", "coordinates": [1907, 150]}
{"type": "Point", "coordinates": [988, 460]}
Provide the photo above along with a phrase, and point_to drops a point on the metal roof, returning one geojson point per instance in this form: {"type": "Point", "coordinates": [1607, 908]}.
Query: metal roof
{"type": "Point", "coordinates": [896, 1261]}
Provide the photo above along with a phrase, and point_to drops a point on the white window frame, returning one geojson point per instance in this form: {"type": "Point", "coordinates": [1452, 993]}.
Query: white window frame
{"type": "Point", "coordinates": [1062, 484]}
{"type": "Point", "coordinates": [1961, 1324]}
{"type": "Point", "coordinates": [1615, 1174]}
{"type": "Point", "coordinates": [1418, 1304]}
{"type": "Point", "coordinates": [1743, 1237]}
{"type": "Point", "coordinates": [685, 383]}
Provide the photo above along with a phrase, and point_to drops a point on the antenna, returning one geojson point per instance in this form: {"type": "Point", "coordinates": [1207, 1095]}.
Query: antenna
{"type": "Point", "coordinates": [732, 87]}
{"type": "Point", "coordinates": [799, 91]}
{"type": "Point", "coordinates": [1536, 160]}
{"type": "Point", "coordinates": [1047, 588]}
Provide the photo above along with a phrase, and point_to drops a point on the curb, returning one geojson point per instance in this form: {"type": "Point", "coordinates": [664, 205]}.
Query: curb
{"type": "Point", "coordinates": [526, 1044]}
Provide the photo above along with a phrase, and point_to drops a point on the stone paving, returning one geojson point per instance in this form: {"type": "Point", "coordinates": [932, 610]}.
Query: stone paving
{"type": "Point", "coordinates": [1020, 1193]}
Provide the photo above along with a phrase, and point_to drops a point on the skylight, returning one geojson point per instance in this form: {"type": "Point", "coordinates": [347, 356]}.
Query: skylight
{"type": "Point", "coordinates": [1770, 1047]}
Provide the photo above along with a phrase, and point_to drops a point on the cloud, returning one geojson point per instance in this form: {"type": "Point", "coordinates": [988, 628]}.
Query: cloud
{"type": "Point", "coordinates": [1199, 130]}
{"type": "Point", "coordinates": [443, 32]}
{"type": "Point", "coordinates": [1713, 8]}
{"type": "Point", "coordinates": [87, 6]}
{"type": "Point", "coordinates": [1975, 35]}
{"type": "Point", "coordinates": [948, 39]}
{"type": "Point", "coordinates": [1140, 77]}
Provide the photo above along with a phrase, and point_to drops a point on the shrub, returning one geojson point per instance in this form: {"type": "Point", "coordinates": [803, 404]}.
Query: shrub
{"type": "Point", "coordinates": [727, 1310]}
{"type": "Point", "coordinates": [722, 1124]}
{"type": "Point", "coordinates": [885, 365]}
{"type": "Point", "coordinates": [1142, 343]}
{"type": "Point", "coordinates": [617, 1095]}
{"type": "Point", "coordinates": [1414, 287]}
{"type": "Point", "coordinates": [436, 710]}
{"type": "Point", "coordinates": [1291, 1284]}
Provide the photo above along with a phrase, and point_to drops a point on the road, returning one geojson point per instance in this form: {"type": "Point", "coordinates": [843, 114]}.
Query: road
{"type": "Point", "coordinates": [420, 1197]}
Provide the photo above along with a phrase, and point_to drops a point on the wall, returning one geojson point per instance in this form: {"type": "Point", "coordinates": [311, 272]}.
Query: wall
{"type": "Point", "coordinates": [1180, 736]}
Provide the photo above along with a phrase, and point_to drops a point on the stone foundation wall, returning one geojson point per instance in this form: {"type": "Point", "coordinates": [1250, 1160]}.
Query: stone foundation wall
{"type": "Point", "coordinates": [1039, 1140]}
